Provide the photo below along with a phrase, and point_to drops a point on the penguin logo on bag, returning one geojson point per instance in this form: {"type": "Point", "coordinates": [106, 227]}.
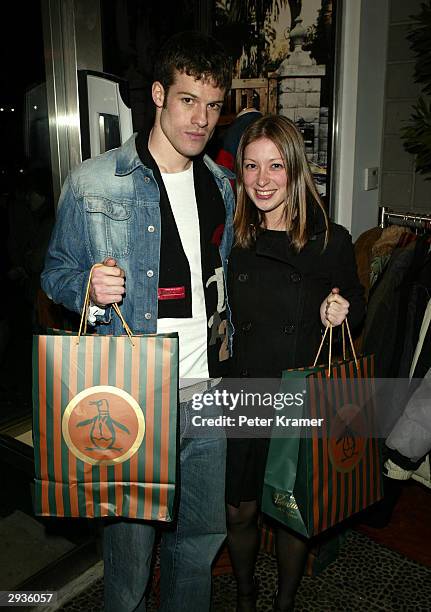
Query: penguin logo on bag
{"type": "Point", "coordinates": [103, 425]}
{"type": "Point", "coordinates": [347, 438]}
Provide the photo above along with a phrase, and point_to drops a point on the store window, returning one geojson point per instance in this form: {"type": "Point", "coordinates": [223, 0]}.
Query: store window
{"type": "Point", "coordinates": [26, 201]}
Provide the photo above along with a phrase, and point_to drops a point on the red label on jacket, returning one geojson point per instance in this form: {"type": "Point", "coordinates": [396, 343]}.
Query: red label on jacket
{"type": "Point", "coordinates": [171, 293]}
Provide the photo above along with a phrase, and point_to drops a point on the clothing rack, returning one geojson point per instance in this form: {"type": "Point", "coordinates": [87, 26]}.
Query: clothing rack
{"type": "Point", "coordinates": [410, 219]}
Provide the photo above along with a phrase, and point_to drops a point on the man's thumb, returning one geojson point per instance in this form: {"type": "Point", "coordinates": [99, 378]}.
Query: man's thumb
{"type": "Point", "coordinates": [110, 261]}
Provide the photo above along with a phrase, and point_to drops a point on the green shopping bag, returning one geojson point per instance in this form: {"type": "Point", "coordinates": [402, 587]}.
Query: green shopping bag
{"type": "Point", "coordinates": [324, 475]}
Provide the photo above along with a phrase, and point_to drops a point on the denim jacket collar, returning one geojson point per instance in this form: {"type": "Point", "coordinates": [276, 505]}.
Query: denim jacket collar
{"type": "Point", "coordinates": [128, 160]}
{"type": "Point", "coordinates": [218, 171]}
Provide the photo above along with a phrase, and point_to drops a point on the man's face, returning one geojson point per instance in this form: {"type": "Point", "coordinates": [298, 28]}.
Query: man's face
{"type": "Point", "coordinates": [188, 113]}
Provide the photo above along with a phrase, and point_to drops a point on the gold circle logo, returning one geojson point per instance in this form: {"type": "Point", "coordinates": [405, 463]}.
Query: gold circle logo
{"type": "Point", "coordinates": [103, 425]}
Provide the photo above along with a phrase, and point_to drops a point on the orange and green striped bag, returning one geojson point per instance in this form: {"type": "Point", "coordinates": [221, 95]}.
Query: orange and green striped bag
{"type": "Point", "coordinates": [105, 425]}
{"type": "Point", "coordinates": [325, 475]}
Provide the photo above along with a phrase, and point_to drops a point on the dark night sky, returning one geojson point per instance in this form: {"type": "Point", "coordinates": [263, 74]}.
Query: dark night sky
{"type": "Point", "coordinates": [21, 46]}
{"type": "Point", "coordinates": [22, 66]}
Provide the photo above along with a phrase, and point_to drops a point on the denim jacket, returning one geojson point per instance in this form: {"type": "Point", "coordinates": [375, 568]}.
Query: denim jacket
{"type": "Point", "coordinates": [109, 207]}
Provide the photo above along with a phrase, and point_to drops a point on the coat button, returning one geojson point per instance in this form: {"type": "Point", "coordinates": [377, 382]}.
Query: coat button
{"type": "Point", "coordinates": [243, 277]}
{"type": "Point", "coordinates": [147, 179]}
{"type": "Point", "coordinates": [150, 273]}
{"type": "Point", "coordinates": [295, 277]}
{"type": "Point", "coordinates": [151, 228]}
{"type": "Point", "coordinates": [246, 327]}
{"type": "Point", "coordinates": [244, 372]}
{"type": "Point", "coordinates": [147, 315]}
{"type": "Point", "coordinates": [289, 329]}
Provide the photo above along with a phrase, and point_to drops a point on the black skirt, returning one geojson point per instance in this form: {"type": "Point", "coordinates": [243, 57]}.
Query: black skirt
{"type": "Point", "coordinates": [245, 469]}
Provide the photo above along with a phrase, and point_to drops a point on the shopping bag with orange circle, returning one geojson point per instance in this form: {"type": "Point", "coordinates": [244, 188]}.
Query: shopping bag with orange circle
{"type": "Point", "coordinates": [323, 475]}
{"type": "Point", "coordinates": [105, 424]}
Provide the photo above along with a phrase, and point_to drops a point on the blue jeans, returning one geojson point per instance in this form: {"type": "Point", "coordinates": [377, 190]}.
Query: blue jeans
{"type": "Point", "coordinates": [188, 550]}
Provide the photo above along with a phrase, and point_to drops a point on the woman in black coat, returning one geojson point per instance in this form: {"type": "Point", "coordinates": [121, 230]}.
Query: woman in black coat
{"type": "Point", "coordinates": [291, 273]}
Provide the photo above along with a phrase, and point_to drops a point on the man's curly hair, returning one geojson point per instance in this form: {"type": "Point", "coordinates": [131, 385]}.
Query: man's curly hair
{"type": "Point", "coordinates": [194, 54]}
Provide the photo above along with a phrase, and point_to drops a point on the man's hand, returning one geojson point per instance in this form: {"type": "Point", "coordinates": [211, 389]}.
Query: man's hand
{"type": "Point", "coordinates": [334, 309]}
{"type": "Point", "coordinates": [107, 283]}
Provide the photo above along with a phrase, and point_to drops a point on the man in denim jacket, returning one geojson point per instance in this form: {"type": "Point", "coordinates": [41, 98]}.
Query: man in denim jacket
{"type": "Point", "coordinates": [158, 215]}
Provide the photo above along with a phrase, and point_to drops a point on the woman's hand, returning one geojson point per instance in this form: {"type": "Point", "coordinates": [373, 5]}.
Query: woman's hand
{"type": "Point", "coordinates": [334, 309]}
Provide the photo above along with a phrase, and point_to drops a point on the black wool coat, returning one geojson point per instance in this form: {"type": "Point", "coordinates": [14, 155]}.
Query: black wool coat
{"type": "Point", "coordinates": [275, 295]}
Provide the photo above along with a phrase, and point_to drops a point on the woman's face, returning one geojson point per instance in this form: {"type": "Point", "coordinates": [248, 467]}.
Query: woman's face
{"type": "Point", "coordinates": [265, 180]}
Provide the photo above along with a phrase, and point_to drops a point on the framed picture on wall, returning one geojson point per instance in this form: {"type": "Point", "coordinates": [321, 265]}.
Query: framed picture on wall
{"type": "Point", "coordinates": [292, 45]}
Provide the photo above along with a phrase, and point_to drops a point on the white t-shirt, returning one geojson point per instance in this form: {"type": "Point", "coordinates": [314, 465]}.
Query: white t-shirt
{"type": "Point", "coordinates": [192, 331]}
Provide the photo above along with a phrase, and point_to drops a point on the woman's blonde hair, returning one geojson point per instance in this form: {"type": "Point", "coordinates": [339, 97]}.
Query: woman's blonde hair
{"type": "Point", "coordinates": [300, 184]}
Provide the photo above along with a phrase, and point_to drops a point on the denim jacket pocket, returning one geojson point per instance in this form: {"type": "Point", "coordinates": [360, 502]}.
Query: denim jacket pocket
{"type": "Point", "coordinates": [109, 225]}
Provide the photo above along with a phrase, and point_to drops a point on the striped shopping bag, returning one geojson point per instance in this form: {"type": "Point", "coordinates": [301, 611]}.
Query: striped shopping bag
{"type": "Point", "coordinates": [105, 425]}
{"type": "Point", "coordinates": [324, 475]}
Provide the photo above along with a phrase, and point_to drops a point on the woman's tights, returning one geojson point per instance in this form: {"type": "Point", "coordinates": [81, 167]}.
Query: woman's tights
{"type": "Point", "coordinates": [292, 552]}
{"type": "Point", "coordinates": [243, 543]}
